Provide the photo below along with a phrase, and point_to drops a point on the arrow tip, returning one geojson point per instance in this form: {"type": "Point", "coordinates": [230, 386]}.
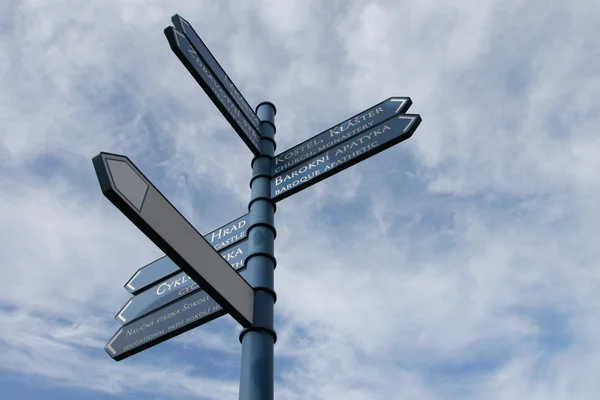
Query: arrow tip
{"type": "Point", "coordinates": [415, 121]}
{"type": "Point", "coordinates": [129, 285]}
{"type": "Point", "coordinates": [127, 181]}
{"type": "Point", "coordinates": [402, 104]}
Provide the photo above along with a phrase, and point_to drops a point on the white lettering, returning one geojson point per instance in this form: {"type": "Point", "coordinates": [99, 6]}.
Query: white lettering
{"type": "Point", "coordinates": [226, 231]}
{"type": "Point", "coordinates": [313, 164]}
{"type": "Point", "coordinates": [297, 182]}
{"type": "Point", "coordinates": [188, 289]}
{"type": "Point", "coordinates": [195, 303]}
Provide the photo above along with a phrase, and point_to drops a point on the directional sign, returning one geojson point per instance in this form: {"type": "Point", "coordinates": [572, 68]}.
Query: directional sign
{"type": "Point", "coordinates": [132, 193]}
{"type": "Point", "coordinates": [184, 314]}
{"type": "Point", "coordinates": [344, 155]}
{"type": "Point", "coordinates": [342, 131]}
{"type": "Point", "coordinates": [184, 27]}
{"type": "Point", "coordinates": [162, 268]}
{"type": "Point", "coordinates": [214, 88]}
{"type": "Point", "coordinates": [174, 287]}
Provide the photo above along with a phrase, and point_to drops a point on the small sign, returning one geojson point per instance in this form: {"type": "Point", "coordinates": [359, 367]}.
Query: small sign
{"type": "Point", "coordinates": [339, 133]}
{"type": "Point", "coordinates": [190, 33]}
{"type": "Point", "coordinates": [345, 154]}
{"type": "Point", "coordinates": [174, 287]}
{"type": "Point", "coordinates": [207, 79]}
{"type": "Point", "coordinates": [139, 200]}
{"type": "Point", "coordinates": [178, 317]}
{"type": "Point", "coordinates": [162, 268]}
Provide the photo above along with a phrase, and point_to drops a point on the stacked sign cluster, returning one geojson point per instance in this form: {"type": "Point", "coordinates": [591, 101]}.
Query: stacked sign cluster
{"type": "Point", "coordinates": [203, 277]}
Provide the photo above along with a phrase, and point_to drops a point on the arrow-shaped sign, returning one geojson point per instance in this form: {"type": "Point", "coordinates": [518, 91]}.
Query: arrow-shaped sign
{"type": "Point", "coordinates": [161, 269]}
{"type": "Point", "coordinates": [174, 319]}
{"type": "Point", "coordinates": [132, 193]}
{"type": "Point", "coordinates": [344, 155]}
{"type": "Point", "coordinates": [174, 287]}
{"type": "Point", "coordinates": [214, 88]}
{"type": "Point", "coordinates": [190, 33]}
{"type": "Point", "coordinates": [340, 132]}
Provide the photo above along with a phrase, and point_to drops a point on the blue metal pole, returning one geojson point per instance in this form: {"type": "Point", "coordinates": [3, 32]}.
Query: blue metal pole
{"type": "Point", "coordinates": [257, 374]}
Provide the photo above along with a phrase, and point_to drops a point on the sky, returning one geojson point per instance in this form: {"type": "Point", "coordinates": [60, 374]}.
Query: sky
{"type": "Point", "coordinates": [459, 264]}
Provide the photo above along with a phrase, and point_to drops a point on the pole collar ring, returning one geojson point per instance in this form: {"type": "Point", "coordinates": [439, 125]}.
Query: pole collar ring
{"type": "Point", "coordinates": [265, 224]}
{"type": "Point", "coordinates": [259, 329]}
{"type": "Point", "coordinates": [269, 256]}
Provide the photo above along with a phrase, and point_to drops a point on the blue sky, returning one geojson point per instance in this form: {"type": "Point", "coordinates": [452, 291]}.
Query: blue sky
{"type": "Point", "coordinates": [460, 264]}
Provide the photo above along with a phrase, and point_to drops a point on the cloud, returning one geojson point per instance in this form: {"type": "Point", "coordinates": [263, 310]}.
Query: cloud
{"type": "Point", "coordinates": [461, 263]}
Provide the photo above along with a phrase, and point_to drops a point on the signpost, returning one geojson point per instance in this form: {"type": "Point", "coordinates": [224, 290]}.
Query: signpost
{"type": "Point", "coordinates": [230, 270]}
{"type": "Point", "coordinates": [214, 88]}
{"type": "Point", "coordinates": [178, 317]}
{"type": "Point", "coordinates": [331, 160]}
{"type": "Point", "coordinates": [173, 287]}
{"type": "Point", "coordinates": [162, 268]}
{"type": "Point", "coordinates": [136, 197]}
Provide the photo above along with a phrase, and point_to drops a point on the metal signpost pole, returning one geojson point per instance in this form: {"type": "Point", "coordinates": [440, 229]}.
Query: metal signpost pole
{"type": "Point", "coordinates": [258, 340]}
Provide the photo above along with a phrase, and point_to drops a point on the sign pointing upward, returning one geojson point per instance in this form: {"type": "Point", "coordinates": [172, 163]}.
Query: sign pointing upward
{"type": "Point", "coordinates": [131, 192]}
{"type": "Point", "coordinates": [184, 27]}
{"type": "Point", "coordinates": [340, 132]}
{"type": "Point", "coordinates": [214, 88]}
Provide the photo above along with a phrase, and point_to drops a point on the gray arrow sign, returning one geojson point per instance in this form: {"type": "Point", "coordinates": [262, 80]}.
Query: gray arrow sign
{"type": "Point", "coordinates": [340, 132]}
{"type": "Point", "coordinates": [139, 200]}
{"type": "Point", "coordinates": [339, 157]}
{"type": "Point", "coordinates": [174, 287]}
{"type": "Point", "coordinates": [214, 88]}
{"type": "Point", "coordinates": [162, 268]}
{"type": "Point", "coordinates": [176, 318]}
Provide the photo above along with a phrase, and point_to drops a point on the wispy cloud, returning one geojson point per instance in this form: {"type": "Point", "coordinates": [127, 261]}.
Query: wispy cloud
{"type": "Point", "coordinates": [459, 264]}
